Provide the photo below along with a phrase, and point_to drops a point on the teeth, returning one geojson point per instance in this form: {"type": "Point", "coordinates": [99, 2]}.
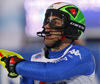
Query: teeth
{"type": "Point", "coordinates": [48, 35]}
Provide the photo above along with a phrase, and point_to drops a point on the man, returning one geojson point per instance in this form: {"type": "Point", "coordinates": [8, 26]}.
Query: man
{"type": "Point", "coordinates": [60, 62]}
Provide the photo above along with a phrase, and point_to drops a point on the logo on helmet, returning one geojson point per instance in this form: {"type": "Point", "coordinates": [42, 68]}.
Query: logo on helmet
{"type": "Point", "coordinates": [73, 11]}
{"type": "Point", "coordinates": [55, 5]}
{"type": "Point", "coordinates": [58, 3]}
{"type": "Point", "coordinates": [77, 25]}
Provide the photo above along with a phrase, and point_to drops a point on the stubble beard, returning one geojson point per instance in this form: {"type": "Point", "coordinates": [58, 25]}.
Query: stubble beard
{"type": "Point", "coordinates": [50, 42]}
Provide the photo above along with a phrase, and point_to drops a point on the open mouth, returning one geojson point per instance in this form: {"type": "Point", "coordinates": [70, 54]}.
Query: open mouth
{"type": "Point", "coordinates": [48, 36]}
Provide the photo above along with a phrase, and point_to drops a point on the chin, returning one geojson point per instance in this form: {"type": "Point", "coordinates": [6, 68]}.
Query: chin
{"type": "Point", "coordinates": [48, 40]}
{"type": "Point", "coordinates": [48, 43]}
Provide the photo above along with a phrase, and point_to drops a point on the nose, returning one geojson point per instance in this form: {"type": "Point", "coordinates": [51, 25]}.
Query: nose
{"type": "Point", "coordinates": [47, 27]}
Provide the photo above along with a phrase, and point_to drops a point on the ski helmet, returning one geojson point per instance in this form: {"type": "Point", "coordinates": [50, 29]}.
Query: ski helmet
{"type": "Point", "coordinates": [73, 20]}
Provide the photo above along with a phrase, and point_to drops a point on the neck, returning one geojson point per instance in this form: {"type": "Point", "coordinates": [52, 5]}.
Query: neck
{"type": "Point", "coordinates": [64, 44]}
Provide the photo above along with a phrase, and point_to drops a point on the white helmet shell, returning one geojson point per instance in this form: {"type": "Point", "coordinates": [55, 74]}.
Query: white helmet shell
{"type": "Point", "coordinates": [58, 5]}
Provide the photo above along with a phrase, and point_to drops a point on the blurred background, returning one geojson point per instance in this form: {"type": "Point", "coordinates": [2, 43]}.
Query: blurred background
{"type": "Point", "coordinates": [21, 19]}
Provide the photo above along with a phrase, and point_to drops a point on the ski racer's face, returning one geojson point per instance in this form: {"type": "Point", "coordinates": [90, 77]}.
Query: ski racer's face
{"type": "Point", "coordinates": [54, 33]}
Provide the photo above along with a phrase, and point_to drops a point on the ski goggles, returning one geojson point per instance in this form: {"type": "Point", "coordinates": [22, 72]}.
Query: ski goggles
{"type": "Point", "coordinates": [55, 20]}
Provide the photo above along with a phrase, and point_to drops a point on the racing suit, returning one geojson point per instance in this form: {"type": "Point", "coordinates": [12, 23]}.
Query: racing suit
{"type": "Point", "coordinates": [73, 65]}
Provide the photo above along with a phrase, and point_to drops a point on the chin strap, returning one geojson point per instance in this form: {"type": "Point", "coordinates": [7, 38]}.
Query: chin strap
{"type": "Point", "coordinates": [62, 38]}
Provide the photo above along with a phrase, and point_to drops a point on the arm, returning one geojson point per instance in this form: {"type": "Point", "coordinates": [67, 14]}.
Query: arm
{"type": "Point", "coordinates": [56, 71]}
{"type": "Point", "coordinates": [62, 69]}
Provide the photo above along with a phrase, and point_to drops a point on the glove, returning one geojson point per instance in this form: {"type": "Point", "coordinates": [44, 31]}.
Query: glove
{"type": "Point", "coordinates": [11, 62]}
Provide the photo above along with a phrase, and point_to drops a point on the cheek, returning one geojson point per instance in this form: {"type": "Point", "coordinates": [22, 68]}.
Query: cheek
{"type": "Point", "coordinates": [56, 32]}
{"type": "Point", "coordinates": [56, 37]}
